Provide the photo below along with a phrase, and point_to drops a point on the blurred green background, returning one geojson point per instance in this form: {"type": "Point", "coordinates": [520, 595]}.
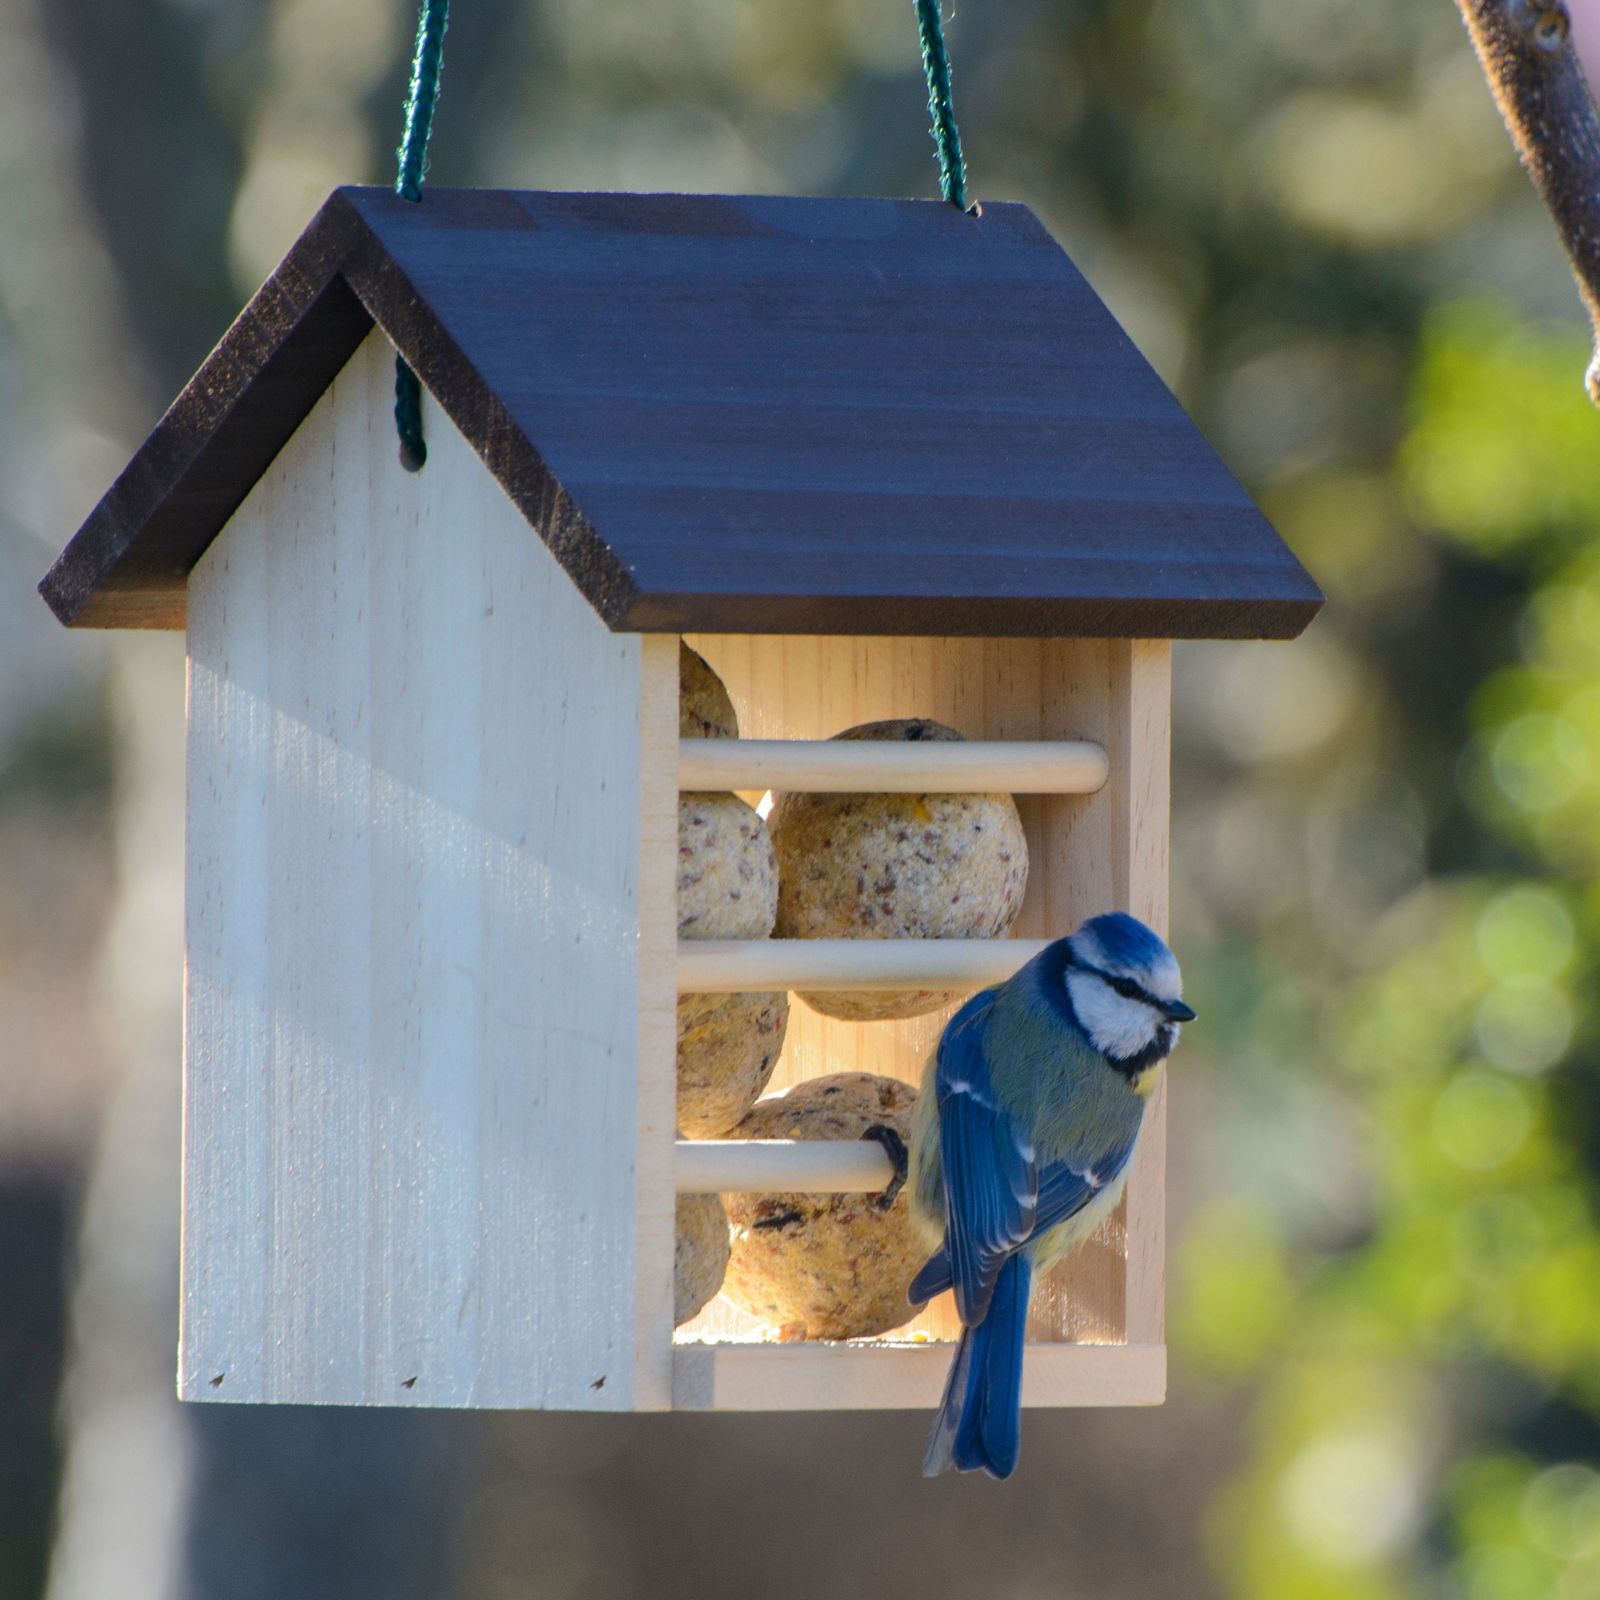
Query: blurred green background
{"type": "Point", "coordinates": [1385, 1286]}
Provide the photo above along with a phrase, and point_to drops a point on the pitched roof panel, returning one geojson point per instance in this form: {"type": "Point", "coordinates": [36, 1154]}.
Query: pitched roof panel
{"type": "Point", "coordinates": [738, 415]}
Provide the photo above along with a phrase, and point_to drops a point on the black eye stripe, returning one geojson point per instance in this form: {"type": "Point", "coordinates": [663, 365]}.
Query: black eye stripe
{"type": "Point", "coordinates": [1127, 987]}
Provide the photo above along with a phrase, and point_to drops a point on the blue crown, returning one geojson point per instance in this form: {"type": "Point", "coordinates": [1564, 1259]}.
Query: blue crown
{"type": "Point", "coordinates": [1126, 942]}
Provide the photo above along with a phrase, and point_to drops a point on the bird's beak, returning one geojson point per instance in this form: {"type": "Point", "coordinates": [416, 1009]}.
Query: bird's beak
{"type": "Point", "coordinates": [1176, 1011]}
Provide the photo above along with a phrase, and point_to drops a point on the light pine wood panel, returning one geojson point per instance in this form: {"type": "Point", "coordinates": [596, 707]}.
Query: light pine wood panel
{"type": "Point", "coordinates": [1087, 853]}
{"type": "Point", "coordinates": [803, 765]}
{"type": "Point", "coordinates": [873, 1375]}
{"type": "Point", "coordinates": [1146, 801]}
{"type": "Point", "coordinates": [427, 848]}
{"type": "Point", "coordinates": [735, 966]}
{"type": "Point", "coordinates": [707, 1166]}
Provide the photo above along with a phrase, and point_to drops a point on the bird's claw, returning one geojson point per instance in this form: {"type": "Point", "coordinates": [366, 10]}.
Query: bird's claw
{"type": "Point", "coordinates": [895, 1148]}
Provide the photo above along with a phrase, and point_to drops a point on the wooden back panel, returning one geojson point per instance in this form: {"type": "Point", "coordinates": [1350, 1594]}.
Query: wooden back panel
{"type": "Point", "coordinates": [1087, 854]}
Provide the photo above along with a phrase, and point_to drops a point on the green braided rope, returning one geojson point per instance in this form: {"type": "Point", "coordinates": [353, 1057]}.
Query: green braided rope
{"type": "Point", "coordinates": [427, 64]}
{"type": "Point", "coordinates": [946, 135]}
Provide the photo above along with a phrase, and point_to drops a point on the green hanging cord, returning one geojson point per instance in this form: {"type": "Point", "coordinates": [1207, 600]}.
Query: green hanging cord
{"type": "Point", "coordinates": [946, 135]}
{"type": "Point", "coordinates": [426, 66]}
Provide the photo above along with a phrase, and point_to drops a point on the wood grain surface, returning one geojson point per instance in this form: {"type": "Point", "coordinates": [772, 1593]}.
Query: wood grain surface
{"type": "Point", "coordinates": [736, 414]}
{"type": "Point", "coordinates": [886, 1375]}
{"type": "Point", "coordinates": [738, 966]}
{"type": "Point", "coordinates": [831, 766]}
{"type": "Point", "coordinates": [1087, 854]}
{"type": "Point", "coordinates": [430, 940]}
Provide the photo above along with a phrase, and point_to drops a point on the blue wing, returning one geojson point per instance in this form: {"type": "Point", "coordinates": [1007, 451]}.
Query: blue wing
{"type": "Point", "coordinates": [990, 1184]}
{"type": "Point", "coordinates": [934, 1278]}
{"type": "Point", "coordinates": [1065, 1187]}
{"type": "Point", "coordinates": [1064, 1190]}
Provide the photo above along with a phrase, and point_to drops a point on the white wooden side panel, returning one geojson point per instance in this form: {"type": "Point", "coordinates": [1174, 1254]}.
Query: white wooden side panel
{"type": "Point", "coordinates": [656, 1046]}
{"type": "Point", "coordinates": [411, 1117]}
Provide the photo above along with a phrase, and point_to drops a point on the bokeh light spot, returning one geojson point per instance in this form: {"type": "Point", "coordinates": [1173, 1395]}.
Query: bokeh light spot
{"type": "Point", "coordinates": [1351, 1496]}
{"type": "Point", "coordinates": [1525, 933]}
{"type": "Point", "coordinates": [1561, 1510]}
{"type": "Point", "coordinates": [1524, 1027]}
{"type": "Point", "coordinates": [1539, 761]}
{"type": "Point", "coordinates": [1479, 1119]}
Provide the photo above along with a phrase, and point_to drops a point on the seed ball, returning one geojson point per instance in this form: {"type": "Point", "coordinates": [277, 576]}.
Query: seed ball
{"type": "Point", "coordinates": [727, 872]}
{"type": "Point", "coordinates": [699, 1255]}
{"type": "Point", "coordinates": [705, 710]}
{"type": "Point", "coordinates": [896, 866]}
{"type": "Point", "coordinates": [727, 889]}
{"type": "Point", "coordinates": [728, 1045]}
{"type": "Point", "coordinates": [826, 1266]}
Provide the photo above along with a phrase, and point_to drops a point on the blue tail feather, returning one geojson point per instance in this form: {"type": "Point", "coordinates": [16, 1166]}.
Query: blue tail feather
{"type": "Point", "coordinates": [939, 1455]}
{"type": "Point", "coordinates": [979, 1421]}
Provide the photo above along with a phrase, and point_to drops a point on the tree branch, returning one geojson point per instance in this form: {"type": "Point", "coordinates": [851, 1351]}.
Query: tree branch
{"type": "Point", "coordinates": [1532, 65]}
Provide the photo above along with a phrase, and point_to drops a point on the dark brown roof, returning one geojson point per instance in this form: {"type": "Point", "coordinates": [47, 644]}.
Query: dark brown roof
{"type": "Point", "coordinates": [750, 414]}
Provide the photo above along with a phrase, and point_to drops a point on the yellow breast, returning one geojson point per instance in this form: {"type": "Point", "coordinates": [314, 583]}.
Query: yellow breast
{"type": "Point", "coordinates": [1144, 1085]}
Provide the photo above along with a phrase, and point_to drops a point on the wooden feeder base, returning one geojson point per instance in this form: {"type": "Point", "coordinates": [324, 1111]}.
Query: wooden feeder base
{"type": "Point", "coordinates": [885, 1375]}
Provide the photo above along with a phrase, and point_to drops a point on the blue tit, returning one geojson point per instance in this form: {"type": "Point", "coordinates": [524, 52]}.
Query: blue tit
{"type": "Point", "coordinates": [1027, 1121]}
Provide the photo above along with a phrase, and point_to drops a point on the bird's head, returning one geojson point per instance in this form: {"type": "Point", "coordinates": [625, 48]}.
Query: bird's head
{"type": "Point", "coordinates": [1124, 986]}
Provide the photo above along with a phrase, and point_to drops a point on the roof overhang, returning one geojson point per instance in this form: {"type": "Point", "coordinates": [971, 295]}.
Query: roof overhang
{"type": "Point", "coordinates": [735, 414]}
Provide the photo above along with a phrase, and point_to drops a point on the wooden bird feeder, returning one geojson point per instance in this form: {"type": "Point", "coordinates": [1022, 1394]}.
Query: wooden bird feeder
{"type": "Point", "coordinates": [872, 459]}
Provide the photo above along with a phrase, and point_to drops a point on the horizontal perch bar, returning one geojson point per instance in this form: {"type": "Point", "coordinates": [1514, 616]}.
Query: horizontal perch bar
{"type": "Point", "coordinates": [982, 766]}
{"type": "Point", "coordinates": [737, 966]}
{"type": "Point", "coordinates": [712, 1166]}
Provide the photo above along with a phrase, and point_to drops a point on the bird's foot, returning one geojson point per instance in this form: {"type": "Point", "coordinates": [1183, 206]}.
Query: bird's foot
{"type": "Point", "coordinates": [895, 1148]}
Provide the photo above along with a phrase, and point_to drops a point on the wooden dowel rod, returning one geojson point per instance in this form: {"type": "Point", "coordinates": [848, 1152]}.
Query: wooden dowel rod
{"type": "Point", "coordinates": [889, 767]}
{"type": "Point", "coordinates": [721, 1166]}
{"type": "Point", "coordinates": [736, 966]}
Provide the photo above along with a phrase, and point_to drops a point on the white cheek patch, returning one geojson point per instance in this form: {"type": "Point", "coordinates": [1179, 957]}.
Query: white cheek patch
{"type": "Point", "coordinates": [1116, 1026]}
